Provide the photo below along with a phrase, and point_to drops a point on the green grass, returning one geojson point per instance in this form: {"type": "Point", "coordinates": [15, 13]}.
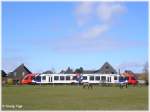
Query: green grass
{"type": "Point", "coordinates": [47, 97]}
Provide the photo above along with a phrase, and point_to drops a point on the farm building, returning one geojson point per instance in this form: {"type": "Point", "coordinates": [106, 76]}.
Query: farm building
{"type": "Point", "coordinates": [19, 73]}
{"type": "Point", "coordinates": [107, 69]}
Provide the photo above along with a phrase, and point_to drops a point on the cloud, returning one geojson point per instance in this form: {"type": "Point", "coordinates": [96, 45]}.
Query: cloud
{"type": "Point", "coordinates": [93, 37]}
{"type": "Point", "coordinates": [94, 32]}
{"type": "Point", "coordinates": [107, 11]}
{"type": "Point", "coordinates": [83, 12]}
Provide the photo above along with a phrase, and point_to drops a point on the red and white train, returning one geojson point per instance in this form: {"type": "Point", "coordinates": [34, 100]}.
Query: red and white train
{"type": "Point", "coordinates": [79, 78]}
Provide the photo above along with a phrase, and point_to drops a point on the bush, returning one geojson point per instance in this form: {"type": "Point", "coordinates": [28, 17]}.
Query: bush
{"type": "Point", "coordinates": [10, 81]}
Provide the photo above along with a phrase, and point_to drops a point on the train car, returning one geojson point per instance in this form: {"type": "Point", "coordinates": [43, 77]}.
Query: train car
{"type": "Point", "coordinates": [28, 79]}
{"type": "Point", "coordinates": [132, 80]}
{"type": "Point", "coordinates": [130, 76]}
{"type": "Point", "coordinates": [76, 78]}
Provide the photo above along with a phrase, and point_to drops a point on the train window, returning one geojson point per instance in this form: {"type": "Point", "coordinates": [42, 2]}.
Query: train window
{"type": "Point", "coordinates": [44, 78]}
{"type": "Point", "coordinates": [62, 78]}
{"type": "Point", "coordinates": [108, 79]}
{"type": "Point", "coordinates": [91, 77]}
{"type": "Point", "coordinates": [67, 77]}
{"type": "Point", "coordinates": [97, 77]}
{"type": "Point", "coordinates": [115, 78]}
{"type": "Point", "coordinates": [26, 78]}
{"type": "Point", "coordinates": [132, 78]}
{"type": "Point", "coordinates": [103, 78]}
{"type": "Point", "coordinates": [56, 77]}
{"type": "Point", "coordinates": [84, 77]}
{"type": "Point", "coordinates": [120, 78]}
{"type": "Point", "coordinates": [33, 78]}
{"type": "Point", "coordinates": [38, 78]}
{"type": "Point", "coordinates": [74, 77]}
{"type": "Point", "coordinates": [126, 78]}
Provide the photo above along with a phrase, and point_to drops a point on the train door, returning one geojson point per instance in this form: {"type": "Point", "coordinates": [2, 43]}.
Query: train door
{"type": "Point", "coordinates": [50, 79]}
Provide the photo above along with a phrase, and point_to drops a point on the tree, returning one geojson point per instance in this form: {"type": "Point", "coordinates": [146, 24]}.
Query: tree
{"type": "Point", "coordinates": [79, 70]}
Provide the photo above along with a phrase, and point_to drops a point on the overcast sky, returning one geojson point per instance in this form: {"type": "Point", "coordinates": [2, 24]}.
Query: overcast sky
{"type": "Point", "coordinates": [55, 35]}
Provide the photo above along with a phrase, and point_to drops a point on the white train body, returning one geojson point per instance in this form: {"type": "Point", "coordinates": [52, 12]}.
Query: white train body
{"type": "Point", "coordinates": [72, 78]}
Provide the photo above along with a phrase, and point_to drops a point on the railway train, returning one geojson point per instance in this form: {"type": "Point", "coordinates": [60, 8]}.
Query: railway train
{"type": "Point", "coordinates": [77, 78]}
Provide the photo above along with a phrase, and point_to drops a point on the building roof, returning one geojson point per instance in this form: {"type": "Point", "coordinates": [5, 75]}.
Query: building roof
{"type": "Point", "coordinates": [19, 72]}
{"type": "Point", "coordinates": [3, 73]}
{"type": "Point", "coordinates": [21, 68]}
{"type": "Point", "coordinates": [89, 71]}
{"type": "Point", "coordinates": [106, 69]}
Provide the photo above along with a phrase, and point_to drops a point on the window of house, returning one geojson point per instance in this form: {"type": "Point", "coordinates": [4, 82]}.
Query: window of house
{"type": "Point", "coordinates": [103, 78]}
{"type": "Point", "coordinates": [97, 77]}
{"type": "Point", "coordinates": [23, 73]}
{"type": "Point", "coordinates": [56, 78]}
{"type": "Point", "coordinates": [91, 77]}
{"type": "Point", "coordinates": [44, 78]}
{"type": "Point", "coordinates": [62, 78]}
{"type": "Point", "coordinates": [115, 78]}
{"type": "Point", "coordinates": [15, 73]}
{"type": "Point", "coordinates": [112, 72]}
{"type": "Point", "coordinates": [107, 67]}
{"type": "Point", "coordinates": [106, 72]}
{"type": "Point", "coordinates": [67, 77]}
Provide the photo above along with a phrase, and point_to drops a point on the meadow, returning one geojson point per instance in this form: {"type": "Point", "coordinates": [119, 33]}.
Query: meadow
{"type": "Point", "coordinates": [58, 97]}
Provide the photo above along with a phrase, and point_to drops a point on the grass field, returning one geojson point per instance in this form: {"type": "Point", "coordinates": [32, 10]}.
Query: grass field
{"type": "Point", "coordinates": [47, 97]}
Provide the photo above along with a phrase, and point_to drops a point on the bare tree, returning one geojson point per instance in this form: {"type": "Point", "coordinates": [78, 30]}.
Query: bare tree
{"type": "Point", "coordinates": [146, 72]}
{"type": "Point", "coordinates": [53, 70]}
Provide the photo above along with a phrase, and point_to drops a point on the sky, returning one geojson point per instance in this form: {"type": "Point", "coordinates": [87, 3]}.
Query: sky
{"type": "Point", "coordinates": [56, 35]}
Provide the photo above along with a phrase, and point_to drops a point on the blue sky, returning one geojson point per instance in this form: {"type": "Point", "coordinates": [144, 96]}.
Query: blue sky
{"type": "Point", "coordinates": [55, 35]}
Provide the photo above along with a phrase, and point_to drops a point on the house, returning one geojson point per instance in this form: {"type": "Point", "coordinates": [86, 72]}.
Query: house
{"type": "Point", "coordinates": [4, 76]}
{"type": "Point", "coordinates": [106, 69]}
{"type": "Point", "coordinates": [19, 73]}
